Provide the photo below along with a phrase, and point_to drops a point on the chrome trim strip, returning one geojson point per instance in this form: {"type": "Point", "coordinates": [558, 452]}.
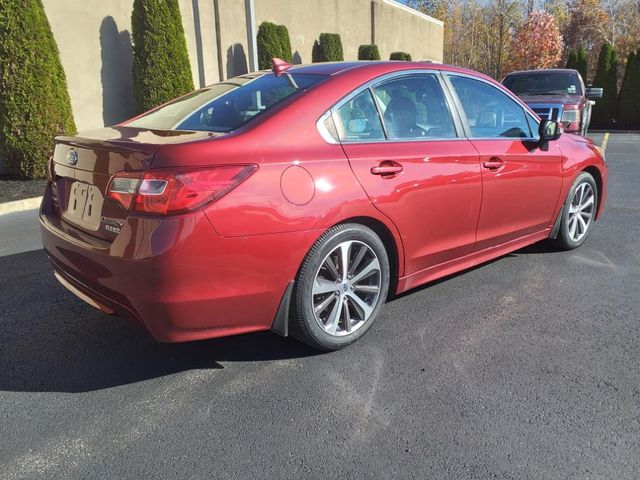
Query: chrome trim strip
{"type": "Point", "coordinates": [454, 108]}
{"type": "Point", "coordinates": [384, 78]}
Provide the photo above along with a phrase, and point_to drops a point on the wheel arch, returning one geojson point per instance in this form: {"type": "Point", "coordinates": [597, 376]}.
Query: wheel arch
{"type": "Point", "coordinates": [394, 251]}
{"type": "Point", "coordinates": [393, 247]}
{"type": "Point", "coordinates": [597, 176]}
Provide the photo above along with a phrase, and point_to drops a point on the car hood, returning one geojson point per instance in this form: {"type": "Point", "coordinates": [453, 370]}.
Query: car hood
{"type": "Point", "coordinates": [547, 99]}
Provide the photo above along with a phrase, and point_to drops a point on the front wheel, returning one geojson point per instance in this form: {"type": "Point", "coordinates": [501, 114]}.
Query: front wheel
{"type": "Point", "coordinates": [578, 213]}
{"type": "Point", "coordinates": [340, 288]}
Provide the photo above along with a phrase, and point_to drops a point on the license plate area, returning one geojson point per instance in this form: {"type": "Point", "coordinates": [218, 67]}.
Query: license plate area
{"type": "Point", "coordinates": [84, 206]}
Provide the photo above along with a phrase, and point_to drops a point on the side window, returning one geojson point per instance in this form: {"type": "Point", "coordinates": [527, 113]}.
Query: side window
{"type": "Point", "coordinates": [358, 120]}
{"type": "Point", "coordinates": [414, 107]}
{"type": "Point", "coordinates": [534, 126]}
{"type": "Point", "coordinates": [490, 112]}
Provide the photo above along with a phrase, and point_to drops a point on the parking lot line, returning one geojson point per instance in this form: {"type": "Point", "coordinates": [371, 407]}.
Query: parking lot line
{"type": "Point", "coordinates": [604, 141]}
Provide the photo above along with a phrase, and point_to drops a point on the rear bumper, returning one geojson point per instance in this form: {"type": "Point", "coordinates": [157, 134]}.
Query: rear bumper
{"type": "Point", "coordinates": [176, 276]}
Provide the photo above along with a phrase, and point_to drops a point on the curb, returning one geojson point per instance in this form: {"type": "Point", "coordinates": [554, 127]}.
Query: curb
{"type": "Point", "coordinates": [20, 205]}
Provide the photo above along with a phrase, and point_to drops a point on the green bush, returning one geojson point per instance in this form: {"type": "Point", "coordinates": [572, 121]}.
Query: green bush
{"type": "Point", "coordinates": [368, 52]}
{"type": "Point", "coordinates": [629, 100]}
{"type": "Point", "coordinates": [273, 42]}
{"type": "Point", "coordinates": [577, 60]}
{"type": "Point", "coordinates": [582, 63]}
{"type": "Point", "coordinates": [572, 60]}
{"type": "Point", "coordinates": [404, 56]}
{"type": "Point", "coordinates": [328, 48]}
{"type": "Point", "coordinates": [287, 55]}
{"type": "Point", "coordinates": [34, 102]}
{"type": "Point", "coordinates": [161, 68]}
{"type": "Point", "coordinates": [607, 78]}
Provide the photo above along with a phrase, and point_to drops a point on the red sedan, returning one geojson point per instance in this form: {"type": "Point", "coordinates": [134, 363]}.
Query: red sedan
{"type": "Point", "coordinates": [299, 200]}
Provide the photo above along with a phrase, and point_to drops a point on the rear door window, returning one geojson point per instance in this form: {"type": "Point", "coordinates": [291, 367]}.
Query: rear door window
{"type": "Point", "coordinates": [358, 120]}
{"type": "Point", "coordinates": [414, 107]}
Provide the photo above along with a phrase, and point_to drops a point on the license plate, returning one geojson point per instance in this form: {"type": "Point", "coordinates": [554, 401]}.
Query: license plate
{"type": "Point", "coordinates": [84, 206]}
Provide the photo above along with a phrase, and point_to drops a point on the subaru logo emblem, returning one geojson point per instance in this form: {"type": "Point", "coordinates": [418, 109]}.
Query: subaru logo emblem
{"type": "Point", "coordinates": [72, 157]}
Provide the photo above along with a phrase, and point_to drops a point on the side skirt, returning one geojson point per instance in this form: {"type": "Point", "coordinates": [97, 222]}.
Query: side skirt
{"type": "Point", "coordinates": [433, 273]}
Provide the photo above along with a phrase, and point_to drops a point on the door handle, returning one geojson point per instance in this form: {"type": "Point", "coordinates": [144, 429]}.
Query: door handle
{"type": "Point", "coordinates": [494, 163]}
{"type": "Point", "coordinates": [387, 168]}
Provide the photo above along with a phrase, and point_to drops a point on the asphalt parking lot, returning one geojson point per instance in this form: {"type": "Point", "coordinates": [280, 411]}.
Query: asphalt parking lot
{"type": "Point", "coordinates": [524, 368]}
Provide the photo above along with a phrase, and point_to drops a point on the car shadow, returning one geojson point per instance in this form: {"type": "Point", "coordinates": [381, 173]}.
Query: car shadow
{"type": "Point", "coordinates": [52, 341]}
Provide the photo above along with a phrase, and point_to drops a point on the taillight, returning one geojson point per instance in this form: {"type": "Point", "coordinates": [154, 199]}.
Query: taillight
{"type": "Point", "coordinates": [175, 191]}
{"type": "Point", "coordinates": [122, 188]}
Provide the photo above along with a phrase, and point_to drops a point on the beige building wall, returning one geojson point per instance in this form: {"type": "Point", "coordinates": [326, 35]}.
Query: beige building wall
{"type": "Point", "coordinates": [389, 24]}
{"type": "Point", "coordinates": [307, 19]}
{"type": "Point", "coordinates": [94, 39]}
{"type": "Point", "coordinates": [399, 28]}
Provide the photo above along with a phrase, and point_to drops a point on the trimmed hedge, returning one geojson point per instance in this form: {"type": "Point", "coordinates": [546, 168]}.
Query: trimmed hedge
{"type": "Point", "coordinates": [629, 100]}
{"type": "Point", "coordinates": [582, 63]}
{"type": "Point", "coordinates": [273, 42]}
{"type": "Point", "coordinates": [328, 48]}
{"type": "Point", "coordinates": [34, 102]}
{"type": "Point", "coordinates": [368, 52]}
{"type": "Point", "coordinates": [403, 56]}
{"type": "Point", "coordinates": [161, 68]}
{"type": "Point", "coordinates": [607, 78]}
{"type": "Point", "coordinates": [572, 60]}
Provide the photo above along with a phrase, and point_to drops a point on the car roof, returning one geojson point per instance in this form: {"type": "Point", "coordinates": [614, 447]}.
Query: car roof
{"type": "Point", "coordinates": [377, 67]}
{"type": "Point", "coordinates": [543, 70]}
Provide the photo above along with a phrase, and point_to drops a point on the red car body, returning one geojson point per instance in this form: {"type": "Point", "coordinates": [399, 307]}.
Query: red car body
{"type": "Point", "coordinates": [225, 268]}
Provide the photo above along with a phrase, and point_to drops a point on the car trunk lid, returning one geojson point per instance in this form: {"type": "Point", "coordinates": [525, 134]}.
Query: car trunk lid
{"type": "Point", "coordinates": [83, 165]}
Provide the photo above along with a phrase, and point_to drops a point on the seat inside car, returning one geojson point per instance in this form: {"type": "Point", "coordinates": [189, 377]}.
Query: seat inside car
{"type": "Point", "coordinates": [401, 118]}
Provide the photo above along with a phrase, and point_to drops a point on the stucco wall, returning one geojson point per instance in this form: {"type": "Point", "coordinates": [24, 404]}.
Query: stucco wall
{"type": "Point", "coordinates": [397, 29]}
{"type": "Point", "coordinates": [94, 40]}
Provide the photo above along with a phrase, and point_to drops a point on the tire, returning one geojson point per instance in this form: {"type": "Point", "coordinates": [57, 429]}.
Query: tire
{"type": "Point", "coordinates": [321, 290]}
{"type": "Point", "coordinates": [573, 232]}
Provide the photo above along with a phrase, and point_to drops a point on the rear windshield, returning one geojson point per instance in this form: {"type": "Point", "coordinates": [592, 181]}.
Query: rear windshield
{"type": "Point", "coordinates": [226, 106]}
{"type": "Point", "coordinates": [550, 83]}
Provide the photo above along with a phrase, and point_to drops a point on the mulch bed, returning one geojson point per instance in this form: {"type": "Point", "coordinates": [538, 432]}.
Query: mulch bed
{"type": "Point", "coordinates": [11, 190]}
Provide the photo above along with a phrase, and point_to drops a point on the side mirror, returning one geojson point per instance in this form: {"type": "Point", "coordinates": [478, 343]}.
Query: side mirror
{"type": "Point", "coordinates": [549, 130]}
{"type": "Point", "coordinates": [594, 92]}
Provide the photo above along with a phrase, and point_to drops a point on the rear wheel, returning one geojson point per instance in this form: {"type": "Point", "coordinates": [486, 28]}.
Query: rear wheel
{"type": "Point", "coordinates": [340, 288]}
{"type": "Point", "coordinates": [578, 213]}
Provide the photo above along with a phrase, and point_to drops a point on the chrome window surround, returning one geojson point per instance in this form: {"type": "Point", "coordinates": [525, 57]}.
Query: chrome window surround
{"type": "Point", "coordinates": [453, 102]}
{"type": "Point", "coordinates": [457, 121]}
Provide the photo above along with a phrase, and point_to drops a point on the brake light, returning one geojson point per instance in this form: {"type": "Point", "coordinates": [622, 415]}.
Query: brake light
{"type": "Point", "coordinates": [122, 188]}
{"type": "Point", "coordinates": [166, 192]}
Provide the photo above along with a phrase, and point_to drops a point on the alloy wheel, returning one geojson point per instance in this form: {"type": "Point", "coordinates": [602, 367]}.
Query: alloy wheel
{"type": "Point", "coordinates": [581, 210]}
{"type": "Point", "coordinates": [346, 288]}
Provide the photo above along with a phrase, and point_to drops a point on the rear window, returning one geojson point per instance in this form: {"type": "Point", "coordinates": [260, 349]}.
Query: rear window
{"type": "Point", "coordinates": [549, 83]}
{"type": "Point", "coordinates": [227, 106]}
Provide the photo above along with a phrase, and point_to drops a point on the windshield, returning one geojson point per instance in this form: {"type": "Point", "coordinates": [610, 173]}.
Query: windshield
{"type": "Point", "coordinates": [549, 83]}
{"type": "Point", "coordinates": [226, 106]}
